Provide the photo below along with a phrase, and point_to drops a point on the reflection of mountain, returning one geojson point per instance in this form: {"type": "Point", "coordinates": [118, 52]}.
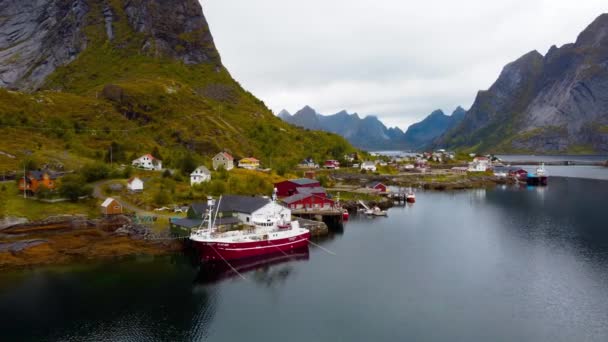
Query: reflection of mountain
{"type": "Point", "coordinates": [268, 269]}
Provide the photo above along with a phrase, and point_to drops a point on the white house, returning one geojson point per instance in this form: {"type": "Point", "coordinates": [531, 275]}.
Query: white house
{"type": "Point", "coordinates": [200, 175]}
{"type": "Point", "coordinates": [479, 164]}
{"type": "Point", "coordinates": [368, 166]}
{"type": "Point", "coordinates": [223, 159]}
{"type": "Point", "coordinates": [148, 162]}
{"type": "Point", "coordinates": [135, 184]}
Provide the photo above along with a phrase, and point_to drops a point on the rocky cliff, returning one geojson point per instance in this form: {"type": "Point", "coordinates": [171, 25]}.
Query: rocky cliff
{"type": "Point", "coordinates": [38, 36]}
{"type": "Point", "coordinates": [557, 103]}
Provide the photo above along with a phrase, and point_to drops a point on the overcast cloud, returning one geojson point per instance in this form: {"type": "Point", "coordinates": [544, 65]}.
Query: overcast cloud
{"type": "Point", "coordinates": [395, 59]}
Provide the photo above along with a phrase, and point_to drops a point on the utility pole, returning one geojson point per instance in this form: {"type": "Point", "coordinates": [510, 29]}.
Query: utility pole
{"type": "Point", "coordinates": [24, 180]}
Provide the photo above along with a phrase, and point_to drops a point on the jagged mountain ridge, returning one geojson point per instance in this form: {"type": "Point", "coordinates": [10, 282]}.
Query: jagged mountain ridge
{"type": "Point", "coordinates": [143, 74]}
{"type": "Point", "coordinates": [366, 133]}
{"type": "Point", "coordinates": [423, 133]}
{"type": "Point", "coordinates": [371, 133]}
{"type": "Point", "coordinates": [557, 103]}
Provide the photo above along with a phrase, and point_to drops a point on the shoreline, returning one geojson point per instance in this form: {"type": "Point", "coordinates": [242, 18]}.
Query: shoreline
{"type": "Point", "coordinates": [68, 240]}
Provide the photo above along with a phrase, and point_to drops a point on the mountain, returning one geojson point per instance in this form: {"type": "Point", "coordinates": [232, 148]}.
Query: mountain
{"type": "Point", "coordinates": [368, 133]}
{"type": "Point", "coordinates": [423, 133]}
{"type": "Point", "coordinates": [557, 103]}
{"type": "Point", "coordinates": [79, 75]}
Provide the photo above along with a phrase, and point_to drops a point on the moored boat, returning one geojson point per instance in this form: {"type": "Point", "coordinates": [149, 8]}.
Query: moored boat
{"type": "Point", "coordinates": [538, 178]}
{"type": "Point", "coordinates": [269, 232]}
{"type": "Point", "coordinates": [410, 196]}
{"type": "Point", "coordinates": [376, 211]}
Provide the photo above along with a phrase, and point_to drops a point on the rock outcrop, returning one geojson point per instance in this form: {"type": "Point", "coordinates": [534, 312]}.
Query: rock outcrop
{"type": "Point", "coordinates": [421, 134]}
{"type": "Point", "coordinates": [556, 103]}
{"type": "Point", "coordinates": [38, 36]}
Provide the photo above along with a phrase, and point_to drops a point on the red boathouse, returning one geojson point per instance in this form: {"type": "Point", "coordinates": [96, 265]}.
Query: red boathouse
{"type": "Point", "coordinates": [289, 187]}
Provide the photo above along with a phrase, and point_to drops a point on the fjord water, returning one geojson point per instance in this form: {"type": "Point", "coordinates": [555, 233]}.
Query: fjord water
{"type": "Point", "coordinates": [508, 264]}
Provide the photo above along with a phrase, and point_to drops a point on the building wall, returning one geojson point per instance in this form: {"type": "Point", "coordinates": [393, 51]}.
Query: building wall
{"type": "Point", "coordinates": [313, 202]}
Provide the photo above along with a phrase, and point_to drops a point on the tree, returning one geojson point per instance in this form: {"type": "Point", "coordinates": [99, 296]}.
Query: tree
{"type": "Point", "coordinates": [187, 164]}
{"type": "Point", "coordinates": [73, 187]}
{"type": "Point", "coordinates": [156, 153]}
{"type": "Point", "coordinates": [115, 153]}
{"type": "Point", "coordinates": [95, 171]}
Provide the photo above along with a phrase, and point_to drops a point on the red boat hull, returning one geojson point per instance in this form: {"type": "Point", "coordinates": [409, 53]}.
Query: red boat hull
{"type": "Point", "coordinates": [231, 251]}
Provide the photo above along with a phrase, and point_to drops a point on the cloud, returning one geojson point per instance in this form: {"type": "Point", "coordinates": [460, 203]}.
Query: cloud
{"type": "Point", "coordinates": [398, 60]}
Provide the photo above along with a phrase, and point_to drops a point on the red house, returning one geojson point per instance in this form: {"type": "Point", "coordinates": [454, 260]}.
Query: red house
{"type": "Point", "coordinates": [377, 186]}
{"type": "Point", "coordinates": [309, 202]}
{"type": "Point", "coordinates": [290, 187]}
{"type": "Point", "coordinates": [331, 164]}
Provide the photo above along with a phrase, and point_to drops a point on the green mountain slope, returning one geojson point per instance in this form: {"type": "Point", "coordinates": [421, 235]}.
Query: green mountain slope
{"type": "Point", "coordinates": [148, 76]}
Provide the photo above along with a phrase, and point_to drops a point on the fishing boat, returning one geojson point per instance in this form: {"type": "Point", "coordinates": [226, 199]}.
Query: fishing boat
{"type": "Point", "coordinates": [410, 197]}
{"type": "Point", "coordinates": [539, 177]}
{"type": "Point", "coordinates": [268, 231]}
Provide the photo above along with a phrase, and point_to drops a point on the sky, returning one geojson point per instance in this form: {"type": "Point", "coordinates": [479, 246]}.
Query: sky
{"type": "Point", "coordinates": [396, 59]}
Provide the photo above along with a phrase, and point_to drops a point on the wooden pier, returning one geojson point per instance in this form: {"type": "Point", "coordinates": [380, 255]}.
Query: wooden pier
{"type": "Point", "coordinates": [333, 218]}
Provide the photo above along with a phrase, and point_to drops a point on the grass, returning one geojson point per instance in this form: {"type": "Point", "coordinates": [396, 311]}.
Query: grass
{"type": "Point", "coordinates": [13, 204]}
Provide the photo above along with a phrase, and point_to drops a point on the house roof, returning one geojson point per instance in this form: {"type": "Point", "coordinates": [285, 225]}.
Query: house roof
{"type": "Point", "coordinates": [250, 159]}
{"type": "Point", "coordinates": [151, 157]}
{"type": "Point", "coordinates": [234, 203]}
{"type": "Point", "coordinates": [202, 169]}
{"type": "Point", "coordinates": [107, 202]}
{"type": "Point", "coordinates": [304, 181]}
{"type": "Point", "coordinates": [225, 154]}
{"type": "Point", "coordinates": [39, 174]}
{"type": "Point", "coordinates": [312, 190]}
{"type": "Point", "coordinates": [300, 196]}
{"type": "Point", "coordinates": [134, 178]}
{"type": "Point", "coordinates": [374, 184]}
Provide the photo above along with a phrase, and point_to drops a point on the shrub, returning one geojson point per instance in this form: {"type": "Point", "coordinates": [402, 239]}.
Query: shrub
{"type": "Point", "coordinates": [95, 171]}
{"type": "Point", "coordinates": [74, 186]}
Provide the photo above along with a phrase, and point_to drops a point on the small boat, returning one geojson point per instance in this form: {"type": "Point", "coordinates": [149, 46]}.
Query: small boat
{"type": "Point", "coordinates": [375, 211]}
{"type": "Point", "coordinates": [538, 178]}
{"type": "Point", "coordinates": [345, 215]}
{"type": "Point", "coordinates": [410, 197]}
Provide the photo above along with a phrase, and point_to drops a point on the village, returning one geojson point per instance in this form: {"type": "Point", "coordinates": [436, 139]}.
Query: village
{"type": "Point", "coordinates": [144, 200]}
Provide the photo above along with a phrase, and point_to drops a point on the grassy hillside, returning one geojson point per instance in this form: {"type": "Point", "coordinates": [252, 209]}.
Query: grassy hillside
{"type": "Point", "coordinates": [114, 92]}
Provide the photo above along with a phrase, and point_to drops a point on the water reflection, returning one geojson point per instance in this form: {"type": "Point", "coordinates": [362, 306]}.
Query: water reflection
{"type": "Point", "coordinates": [269, 270]}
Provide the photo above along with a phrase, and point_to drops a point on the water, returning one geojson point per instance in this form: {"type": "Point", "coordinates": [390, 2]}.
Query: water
{"type": "Point", "coordinates": [553, 158]}
{"type": "Point", "coordinates": [510, 264]}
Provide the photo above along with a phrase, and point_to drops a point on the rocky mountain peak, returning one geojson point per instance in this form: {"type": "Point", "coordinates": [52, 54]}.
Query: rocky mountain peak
{"type": "Point", "coordinates": [38, 36]}
{"type": "Point", "coordinates": [596, 34]}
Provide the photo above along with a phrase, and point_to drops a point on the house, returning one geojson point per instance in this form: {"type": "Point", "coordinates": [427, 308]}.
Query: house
{"type": "Point", "coordinates": [510, 171]}
{"type": "Point", "coordinates": [377, 186]}
{"type": "Point", "coordinates": [247, 209]}
{"type": "Point", "coordinates": [480, 164]}
{"type": "Point", "coordinates": [368, 166]}
{"type": "Point", "coordinates": [249, 163]}
{"type": "Point", "coordinates": [111, 207]}
{"type": "Point", "coordinates": [460, 169]}
{"type": "Point", "coordinates": [148, 162]}
{"type": "Point", "coordinates": [35, 180]}
{"type": "Point", "coordinates": [308, 201]}
{"type": "Point", "coordinates": [290, 187]}
{"type": "Point", "coordinates": [331, 164]}
{"type": "Point", "coordinates": [200, 175]}
{"type": "Point", "coordinates": [135, 184]}
{"type": "Point", "coordinates": [224, 160]}
{"type": "Point", "coordinates": [308, 163]}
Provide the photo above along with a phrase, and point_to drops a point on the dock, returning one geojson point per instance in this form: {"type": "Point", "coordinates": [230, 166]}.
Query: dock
{"type": "Point", "coordinates": [333, 218]}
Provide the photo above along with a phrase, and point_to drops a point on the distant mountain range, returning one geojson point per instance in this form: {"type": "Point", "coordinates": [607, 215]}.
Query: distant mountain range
{"type": "Point", "coordinates": [370, 133]}
{"type": "Point", "coordinates": [557, 103]}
